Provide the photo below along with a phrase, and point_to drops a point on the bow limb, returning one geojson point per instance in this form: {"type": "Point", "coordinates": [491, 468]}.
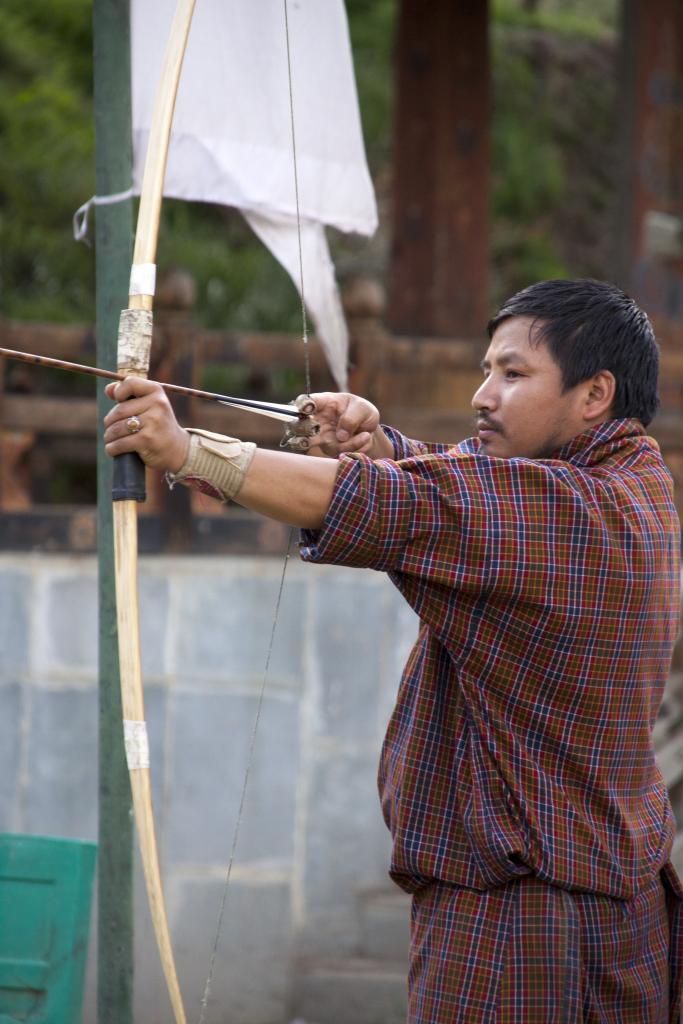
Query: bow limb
{"type": "Point", "coordinates": [135, 336]}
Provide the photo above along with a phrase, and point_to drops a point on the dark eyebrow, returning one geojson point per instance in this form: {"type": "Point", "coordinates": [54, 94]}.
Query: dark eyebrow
{"type": "Point", "coordinates": [505, 360]}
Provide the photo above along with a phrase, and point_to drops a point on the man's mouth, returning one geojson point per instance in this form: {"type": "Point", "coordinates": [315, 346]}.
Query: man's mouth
{"type": "Point", "coordinates": [486, 429]}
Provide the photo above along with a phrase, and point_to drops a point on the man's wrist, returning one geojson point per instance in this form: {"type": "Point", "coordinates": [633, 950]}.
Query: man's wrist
{"type": "Point", "coordinates": [382, 448]}
{"type": "Point", "coordinates": [215, 464]}
{"type": "Point", "coordinates": [181, 454]}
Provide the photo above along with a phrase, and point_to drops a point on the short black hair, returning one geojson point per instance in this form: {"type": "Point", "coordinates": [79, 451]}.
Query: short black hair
{"type": "Point", "coordinates": [590, 326]}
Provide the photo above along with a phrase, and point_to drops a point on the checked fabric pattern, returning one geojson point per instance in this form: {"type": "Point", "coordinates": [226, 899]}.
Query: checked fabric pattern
{"type": "Point", "coordinates": [548, 592]}
{"type": "Point", "coordinates": [530, 953]}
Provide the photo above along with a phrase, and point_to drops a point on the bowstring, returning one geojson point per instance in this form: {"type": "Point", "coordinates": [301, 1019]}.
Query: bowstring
{"type": "Point", "coordinates": [304, 320]}
{"type": "Point", "coordinates": [243, 794]}
{"type": "Point", "coordinates": [262, 689]}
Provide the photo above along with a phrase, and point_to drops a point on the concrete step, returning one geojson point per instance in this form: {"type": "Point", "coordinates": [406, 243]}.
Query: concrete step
{"type": "Point", "coordinates": [385, 924]}
{"type": "Point", "coordinates": [350, 991]}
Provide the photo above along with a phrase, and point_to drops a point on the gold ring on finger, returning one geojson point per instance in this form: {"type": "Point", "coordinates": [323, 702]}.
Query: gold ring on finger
{"type": "Point", "coordinates": [133, 424]}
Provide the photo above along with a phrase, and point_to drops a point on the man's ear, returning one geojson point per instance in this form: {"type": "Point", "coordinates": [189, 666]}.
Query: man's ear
{"type": "Point", "coordinates": [599, 398]}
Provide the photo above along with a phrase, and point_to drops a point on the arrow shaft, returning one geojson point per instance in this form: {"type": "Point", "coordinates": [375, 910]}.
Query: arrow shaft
{"type": "Point", "coordinates": [277, 410]}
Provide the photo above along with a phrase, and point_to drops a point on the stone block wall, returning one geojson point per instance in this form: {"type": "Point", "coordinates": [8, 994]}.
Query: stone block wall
{"type": "Point", "coordinates": [312, 842]}
{"type": "Point", "coordinates": [312, 929]}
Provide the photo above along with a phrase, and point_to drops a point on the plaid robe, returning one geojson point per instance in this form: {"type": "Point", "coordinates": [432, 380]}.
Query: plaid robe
{"type": "Point", "coordinates": [530, 953]}
{"type": "Point", "coordinates": [548, 595]}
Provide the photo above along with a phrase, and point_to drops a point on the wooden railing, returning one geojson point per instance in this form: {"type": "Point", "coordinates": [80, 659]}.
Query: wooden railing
{"type": "Point", "coordinates": [48, 431]}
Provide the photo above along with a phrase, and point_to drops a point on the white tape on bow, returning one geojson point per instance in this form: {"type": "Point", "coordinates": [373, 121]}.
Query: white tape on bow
{"type": "Point", "coordinates": [143, 279]}
{"type": "Point", "coordinates": [80, 217]}
{"type": "Point", "coordinates": [136, 743]}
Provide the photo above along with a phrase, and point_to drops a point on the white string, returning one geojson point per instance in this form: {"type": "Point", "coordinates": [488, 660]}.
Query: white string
{"type": "Point", "coordinates": [80, 217]}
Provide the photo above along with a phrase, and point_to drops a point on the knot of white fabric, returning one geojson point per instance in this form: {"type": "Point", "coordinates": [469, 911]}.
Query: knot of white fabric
{"type": "Point", "coordinates": [80, 217]}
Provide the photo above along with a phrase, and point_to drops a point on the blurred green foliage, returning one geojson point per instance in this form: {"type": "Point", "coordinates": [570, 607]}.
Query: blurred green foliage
{"type": "Point", "coordinates": [46, 157]}
{"type": "Point", "coordinates": [591, 19]}
{"type": "Point", "coordinates": [554, 137]}
{"type": "Point", "coordinates": [527, 159]}
{"type": "Point", "coordinates": [553, 129]}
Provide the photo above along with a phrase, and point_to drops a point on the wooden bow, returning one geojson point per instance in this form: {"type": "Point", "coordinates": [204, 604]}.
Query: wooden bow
{"type": "Point", "coordinates": [135, 336]}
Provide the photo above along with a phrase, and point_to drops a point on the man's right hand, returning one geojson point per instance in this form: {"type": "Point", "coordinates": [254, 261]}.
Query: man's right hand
{"type": "Point", "coordinates": [349, 423]}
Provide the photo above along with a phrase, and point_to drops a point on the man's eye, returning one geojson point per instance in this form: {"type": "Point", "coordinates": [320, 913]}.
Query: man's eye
{"type": "Point", "coordinates": [512, 374]}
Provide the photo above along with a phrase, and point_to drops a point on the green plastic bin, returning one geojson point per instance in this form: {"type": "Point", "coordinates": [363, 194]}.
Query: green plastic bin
{"type": "Point", "coordinates": [45, 897]}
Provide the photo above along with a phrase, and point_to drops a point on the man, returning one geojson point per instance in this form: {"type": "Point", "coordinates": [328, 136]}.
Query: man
{"type": "Point", "coordinates": [518, 779]}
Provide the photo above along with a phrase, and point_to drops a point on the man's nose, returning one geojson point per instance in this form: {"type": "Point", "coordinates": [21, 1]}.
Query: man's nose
{"type": "Point", "coordinates": [484, 397]}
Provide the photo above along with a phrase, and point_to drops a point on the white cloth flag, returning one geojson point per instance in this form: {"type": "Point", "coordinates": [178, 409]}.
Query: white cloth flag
{"type": "Point", "coordinates": [232, 141]}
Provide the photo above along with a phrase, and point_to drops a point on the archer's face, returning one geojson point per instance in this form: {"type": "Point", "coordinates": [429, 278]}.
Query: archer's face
{"type": "Point", "coordinates": [520, 408]}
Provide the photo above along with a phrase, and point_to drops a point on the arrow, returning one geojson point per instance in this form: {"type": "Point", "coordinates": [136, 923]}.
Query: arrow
{"type": "Point", "coordinates": [301, 409]}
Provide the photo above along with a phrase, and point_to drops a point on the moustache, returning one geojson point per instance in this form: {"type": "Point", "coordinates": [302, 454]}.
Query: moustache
{"type": "Point", "coordinates": [484, 423]}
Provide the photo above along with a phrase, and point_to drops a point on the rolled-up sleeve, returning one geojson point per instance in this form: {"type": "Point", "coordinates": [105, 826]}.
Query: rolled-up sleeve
{"type": "Point", "coordinates": [369, 517]}
{"type": "Point", "coordinates": [467, 521]}
{"type": "Point", "coordinates": [368, 520]}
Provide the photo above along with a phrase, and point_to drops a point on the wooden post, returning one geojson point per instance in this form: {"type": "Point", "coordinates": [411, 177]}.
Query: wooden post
{"type": "Point", "coordinates": [650, 236]}
{"type": "Point", "coordinates": [114, 233]}
{"type": "Point", "coordinates": [440, 251]}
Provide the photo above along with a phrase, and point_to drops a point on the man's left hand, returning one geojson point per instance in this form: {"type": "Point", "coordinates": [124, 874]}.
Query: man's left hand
{"type": "Point", "coordinates": [144, 422]}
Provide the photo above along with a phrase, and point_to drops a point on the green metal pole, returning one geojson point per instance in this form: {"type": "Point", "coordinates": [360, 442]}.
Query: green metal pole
{"type": "Point", "coordinates": [114, 235]}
